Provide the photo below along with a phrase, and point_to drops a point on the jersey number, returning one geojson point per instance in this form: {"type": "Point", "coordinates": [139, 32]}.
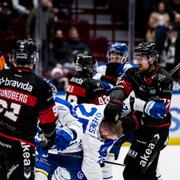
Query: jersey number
{"type": "Point", "coordinates": [11, 111]}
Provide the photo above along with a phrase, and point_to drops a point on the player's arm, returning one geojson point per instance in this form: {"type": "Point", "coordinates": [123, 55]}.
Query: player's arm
{"type": "Point", "coordinates": [159, 107]}
{"type": "Point", "coordinates": [68, 127]}
{"type": "Point", "coordinates": [118, 94]}
{"type": "Point", "coordinates": [47, 114]}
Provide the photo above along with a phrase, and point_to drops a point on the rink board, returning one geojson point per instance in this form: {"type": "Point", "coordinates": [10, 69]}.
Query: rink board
{"type": "Point", "coordinates": [175, 125]}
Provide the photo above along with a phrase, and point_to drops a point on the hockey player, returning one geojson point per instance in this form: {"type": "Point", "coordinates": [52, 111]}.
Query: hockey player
{"type": "Point", "coordinates": [86, 130]}
{"type": "Point", "coordinates": [117, 56]}
{"type": "Point", "coordinates": [21, 106]}
{"type": "Point", "coordinates": [82, 88]}
{"type": "Point", "coordinates": [153, 85]}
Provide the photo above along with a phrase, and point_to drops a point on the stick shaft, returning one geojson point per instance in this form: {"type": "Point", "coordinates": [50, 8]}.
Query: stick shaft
{"type": "Point", "coordinates": [174, 69]}
{"type": "Point", "coordinates": [81, 157]}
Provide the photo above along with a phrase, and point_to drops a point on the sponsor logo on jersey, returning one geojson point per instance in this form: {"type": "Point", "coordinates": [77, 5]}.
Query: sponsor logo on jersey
{"type": "Point", "coordinates": [26, 160]}
{"type": "Point", "coordinates": [77, 80]}
{"type": "Point", "coordinates": [161, 77]}
{"type": "Point", "coordinates": [148, 151]}
{"type": "Point", "coordinates": [17, 84]}
{"type": "Point", "coordinates": [7, 126]}
{"type": "Point", "coordinates": [132, 153]}
{"type": "Point", "coordinates": [11, 170]}
{"type": "Point", "coordinates": [80, 175]}
{"type": "Point", "coordinates": [5, 145]}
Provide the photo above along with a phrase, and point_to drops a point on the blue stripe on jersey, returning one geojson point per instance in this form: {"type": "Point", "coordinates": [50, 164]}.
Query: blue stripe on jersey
{"type": "Point", "coordinates": [84, 111]}
{"type": "Point", "coordinates": [84, 123]}
{"type": "Point", "coordinates": [64, 102]}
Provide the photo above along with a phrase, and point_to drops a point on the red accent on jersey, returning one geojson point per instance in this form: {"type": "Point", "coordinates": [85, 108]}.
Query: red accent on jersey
{"type": "Point", "coordinates": [149, 79]}
{"type": "Point", "coordinates": [23, 69]}
{"type": "Point", "coordinates": [76, 90]}
{"type": "Point", "coordinates": [18, 96]}
{"type": "Point", "coordinates": [47, 115]}
{"type": "Point", "coordinates": [162, 125]}
{"type": "Point", "coordinates": [168, 103]}
{"type": "Point", "coordinates": [135, 119]}
{"type": "Point", "coordinates": [17, 139]}
{"type": "Point", "coordinates": [127, 87]}
{"type": "Point", "coordinates": [111, 79]}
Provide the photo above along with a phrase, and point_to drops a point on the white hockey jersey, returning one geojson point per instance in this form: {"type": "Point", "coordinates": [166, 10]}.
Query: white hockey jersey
{"type": "Point", "coordinates": [85, 119]}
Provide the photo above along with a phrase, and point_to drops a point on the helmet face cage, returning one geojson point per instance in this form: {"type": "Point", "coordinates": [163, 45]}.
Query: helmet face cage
{"type": "Point", "coordinates": [119, 49]}
{"type": "Point", "coordinates": [148, 49]}
{"type": "Point", "coordinates": [85, 63]}
{"type": "Point", "coordinates": [25, 52]}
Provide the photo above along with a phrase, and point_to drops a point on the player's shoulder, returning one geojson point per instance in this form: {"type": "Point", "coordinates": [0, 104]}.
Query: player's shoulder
{"type": "Point", "coordinates": [93, 82]}
{"type": "Point", "coordinates": [164, 78]}
{"type": "Point", "coordinates": [131, 71]}
{"type": "Point", "coordinates": [162, 72]}
{"type": "Point", "coordinates": [90, 110]}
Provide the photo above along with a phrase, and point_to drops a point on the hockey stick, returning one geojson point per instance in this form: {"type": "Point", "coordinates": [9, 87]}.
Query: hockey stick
{"type": "Point", "coordinates": [174, 69]}
{"type": "Point", "coordinates": [80, 157]}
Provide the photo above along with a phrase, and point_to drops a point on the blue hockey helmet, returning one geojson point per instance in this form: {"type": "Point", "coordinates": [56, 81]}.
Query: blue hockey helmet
{"type": "Point", "coordinates": [119, 49]}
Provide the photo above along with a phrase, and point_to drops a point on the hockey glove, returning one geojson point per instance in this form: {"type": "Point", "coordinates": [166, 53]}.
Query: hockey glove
{"type": "Point", "coordinates": [63, 138]}
{"type": "Point", "coordinates": [40, 150]}
{"type": "Point", "coordinates": [112, 111]}
{"type": "Point", "coordinates": [114, 69]}
{"type": "Point", "coordinates": [156, 110]}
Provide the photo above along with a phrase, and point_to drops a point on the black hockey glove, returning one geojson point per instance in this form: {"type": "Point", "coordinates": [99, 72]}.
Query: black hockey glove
{"type": "Point", "coordinates": [113, 69]}
{"type": "Point", "coordinates": [112, 111]}
{"type": "Point", "coordinates": [49, 131]}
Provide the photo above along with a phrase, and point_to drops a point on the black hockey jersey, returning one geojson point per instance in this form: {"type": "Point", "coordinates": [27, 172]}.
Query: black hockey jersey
{"type": "Point", "coordinates": [86, 90]}
{"type": "Point", "coordinates": [25, 98]}
{"type": "Point", "coordinates": [155, 86]}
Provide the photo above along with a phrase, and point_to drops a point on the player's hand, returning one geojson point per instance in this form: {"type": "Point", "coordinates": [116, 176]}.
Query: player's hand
{"type": "Point", "coordinates": [156, 110]}
{"type": "Point", "coordinates": [112, 111]}
{"type": "Point", "coordinates": [40, 150]}
{"type": "Point", "coordinates": [63, 138]}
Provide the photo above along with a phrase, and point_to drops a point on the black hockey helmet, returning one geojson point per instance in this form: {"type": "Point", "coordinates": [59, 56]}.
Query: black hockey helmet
{"type": "Point", "coordinates": [25, 52]}
{"type": "Point", "coordinates": [148, 49]}
{"type": "Point", "coordinates": [85, 63]}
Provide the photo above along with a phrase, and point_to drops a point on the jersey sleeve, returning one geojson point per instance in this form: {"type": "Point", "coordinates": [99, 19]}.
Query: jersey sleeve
{"type": "Point", "coordinates": [46, 109]}
{"type": "Point", "coordinates": [125, 82]}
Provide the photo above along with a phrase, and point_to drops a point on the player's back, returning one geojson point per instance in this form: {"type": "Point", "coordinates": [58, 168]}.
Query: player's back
{"type": "Point", "coordinates": [20, 94]}
{"type": "Point", "coordinates": [91, 116]}
{"type": "Point", "coordinates": [85, 90]}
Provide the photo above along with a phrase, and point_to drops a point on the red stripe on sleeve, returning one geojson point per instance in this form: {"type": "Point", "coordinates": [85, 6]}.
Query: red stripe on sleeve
{"type": "Point", "coordinates": [127, 87]}
{"type": "Point", "coordinates": [48, 115]}
{"type": "Point", "coordinates": [76, 90]}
